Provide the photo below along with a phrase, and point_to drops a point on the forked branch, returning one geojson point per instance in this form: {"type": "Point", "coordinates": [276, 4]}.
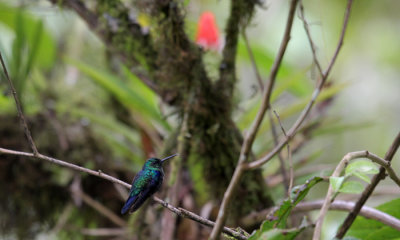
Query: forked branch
{"type": "Point", "coordinates": [340, 167]}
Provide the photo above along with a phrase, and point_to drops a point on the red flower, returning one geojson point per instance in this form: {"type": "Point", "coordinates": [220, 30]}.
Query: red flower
{"type": "Point", "coordinates": [207, 32]}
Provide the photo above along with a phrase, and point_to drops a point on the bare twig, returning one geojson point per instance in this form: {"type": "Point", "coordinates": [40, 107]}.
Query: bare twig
{"type": "Point", "coordinates": [250, 136]}
{"type": "Point", "coordinates": [274, 180]}
{"type": "Point", "coordinates": [273, 131]}
{"type": "Point", "coordinates": [284, 176]}
{"type": "Point", "coordinates": [62, 218]}
{"type": "Point", "coordinates": [253, 60]}
{"type": "Point", "coordinates": [104, 232]}
{"type": "Point", "coordinates": [98, 173]}
{"type": "Point", "coordinates": [292, 131]}
{"type": "Point", "coordinates": [19, 109]}
{"type": "Point", "coordinates": [342, 164]}
{"type": "Point", "coordinates": [289, 190]}
{"type": "Point", "coordinates": [339, 205]}
{"type": "Point", "coordinates": [366, 211]}
{"type": "Point", "coordinates": [107, 177]}
{"type": "Point", "coordinates": [103, 210]}
{"type": "Point", "coordinates": [312, 45]}
{"type": "Point", "coordinates": [368, 190]}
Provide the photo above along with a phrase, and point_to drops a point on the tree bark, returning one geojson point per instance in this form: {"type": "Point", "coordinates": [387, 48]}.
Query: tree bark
{"type": "Point", "coordinates": [167, 61]}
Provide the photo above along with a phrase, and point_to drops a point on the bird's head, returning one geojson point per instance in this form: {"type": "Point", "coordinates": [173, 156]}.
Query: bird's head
{"type": "Point", "coordinates": [156, 163]}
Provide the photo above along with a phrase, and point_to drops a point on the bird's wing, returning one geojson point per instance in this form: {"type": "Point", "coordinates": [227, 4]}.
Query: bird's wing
{"type": "Point", "coordinates": [143, 186]}
{"type": "Point", "coordinates": [151, 187]}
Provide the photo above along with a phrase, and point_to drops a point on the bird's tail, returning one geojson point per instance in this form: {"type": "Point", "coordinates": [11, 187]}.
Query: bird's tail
{"type": "Point", "coordinates": [128, 204]}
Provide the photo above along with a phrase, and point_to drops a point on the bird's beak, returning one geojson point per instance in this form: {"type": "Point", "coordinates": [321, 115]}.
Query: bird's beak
{"type": "Point", "coordinates": [162, 160]}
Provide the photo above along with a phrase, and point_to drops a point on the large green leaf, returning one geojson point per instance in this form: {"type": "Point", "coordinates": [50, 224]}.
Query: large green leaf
{"type": "Point", "coordinates": [362, 166]}
{"type": "Point", "coordinates": [370, 229]}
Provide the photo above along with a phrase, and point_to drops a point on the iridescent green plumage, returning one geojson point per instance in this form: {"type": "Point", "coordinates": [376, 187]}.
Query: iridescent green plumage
{"type": "Point", "coordinates": [146, 183]}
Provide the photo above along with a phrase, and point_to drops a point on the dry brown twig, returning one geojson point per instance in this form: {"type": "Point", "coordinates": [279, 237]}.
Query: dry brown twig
{"type": "Point", "coordinates": [253, 60]}
{"type": "Point", "coordinates": [282, 167]}
{"type": "Point", "coordinates": [312, 44]}
{"type": "Point", "coordinates": [104, 232]}
{"type": "Point", "coordinates": [292, 131]}
{"type": "Point", "coordinates": [19, 109]}
{"type": "Point", "coordinates": [289, 190]}
{"type": "Point", "coordinates": [103, 210]}
{"type": "Point", "coordinates": [261, 86]}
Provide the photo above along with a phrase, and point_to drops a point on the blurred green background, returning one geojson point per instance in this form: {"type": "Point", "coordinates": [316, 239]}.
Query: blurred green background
{"type": "Point", "coordinates": [86, 107]}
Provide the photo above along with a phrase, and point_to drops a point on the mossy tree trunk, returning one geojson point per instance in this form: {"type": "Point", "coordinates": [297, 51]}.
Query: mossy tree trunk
{"type": "Point", "coordinates": [171, 64]}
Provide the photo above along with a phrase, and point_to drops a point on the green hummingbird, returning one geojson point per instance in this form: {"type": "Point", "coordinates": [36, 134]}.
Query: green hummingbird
{"type": "Point", "coordinates": [146, 182]}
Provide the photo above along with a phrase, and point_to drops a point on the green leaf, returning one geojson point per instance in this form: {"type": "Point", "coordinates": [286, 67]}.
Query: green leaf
{"type": "Point", "coordinates": [336, 182]}
{"type": "Point", "coordinates": [361, 166]}
{"type": "Point", "coordinates": [384, 233]}
{"type": "Point", "coordinates": [377, 230]}
{"type": "Point", "coordinates": [278, 234]}
{"type": "Point", "coordinates": [351, 187]}
{"type": "Point", "coordinates": [362, 176]}
{"type": "Point", "coordinates": [279, 216]}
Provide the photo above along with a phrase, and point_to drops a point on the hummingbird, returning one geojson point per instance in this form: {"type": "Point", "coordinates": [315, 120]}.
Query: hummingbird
{"type": "Point", "coordinates": [146, 182]}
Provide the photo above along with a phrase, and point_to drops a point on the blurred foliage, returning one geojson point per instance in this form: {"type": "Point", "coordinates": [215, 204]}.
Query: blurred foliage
{"type": "Point", "coordinates": [32, 45]}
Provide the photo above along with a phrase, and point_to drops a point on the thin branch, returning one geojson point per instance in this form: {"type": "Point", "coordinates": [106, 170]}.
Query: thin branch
{"type": "Point", "coordinates": [289, 190]}
{"type": "Point", "coordinates": [19, 109]}
{"type": "Point", "coordinates": [342, 164]}
{"type": "Point", "coordinates": [277, 179]}
{"type": "Point", "coordinates": [338, 205]}
{"type": "Point", "coordinates": [250, 136]}
{"type": "Point", "coordinates": [312, 45]}
{"type": "Point", "coordinates": [253, 60]}
{"type": "Point", "coordinates": [273, 131]}
{"type": "Point", "coordinates": [62, 219]}
{"type": "Point", "coordinates": [292, 131]}
{"type": "Point", "coordinates": [366, 211]}
{"type": "Point", "coordinates": [103, 210]}
{"type": "Point", "coordinates": [104, 232]}
{"type": "Point", "coordinates": [282, 168]}
{"type": "Point", "coordinates": [107, 177]}
{"type": "Point", "coordinates": [368, 190]}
